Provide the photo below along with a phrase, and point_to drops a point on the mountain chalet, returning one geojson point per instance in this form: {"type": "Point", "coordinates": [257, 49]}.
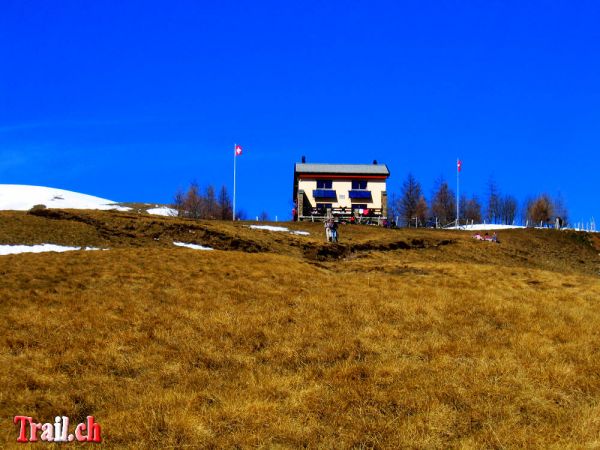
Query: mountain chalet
{"type": "Point", "coordinates": [341, 191]}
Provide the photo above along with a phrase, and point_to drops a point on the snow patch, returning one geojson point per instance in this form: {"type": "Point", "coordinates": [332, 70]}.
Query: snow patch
{"type": "Point", "coordinates": [17, 197]}
{"type": "Point", "coordinates": [163, 211]}
{"type": "Point", "coordinates": [492, 226]}
{"type": "Point", "coordinates": [273, 228]}
{"type": "Point", "coordinates": [586, 230]}
{"type": "Point", "coordinates": [484, 227]}
{"type": "Point", "coordinates": [268, 228]}
{"type": "Point", "coordinates": [193, 246]}
{"type": "Point", "coordinates": [16, 249]}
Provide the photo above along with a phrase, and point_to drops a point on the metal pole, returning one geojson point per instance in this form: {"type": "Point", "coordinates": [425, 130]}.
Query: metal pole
{"type": "Point", "coordinates": [234, 162]}
{"type": "Point", "coordinates": [457, 191]}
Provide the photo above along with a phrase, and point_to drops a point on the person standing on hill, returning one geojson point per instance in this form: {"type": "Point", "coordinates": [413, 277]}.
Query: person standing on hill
{"type": "Point", "coordinates": [328, 230]}
{"type": "Point", "coordinates": [334, 230]}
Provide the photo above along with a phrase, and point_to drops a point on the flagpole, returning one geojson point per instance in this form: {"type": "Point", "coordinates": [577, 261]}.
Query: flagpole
{"type": "Point", "coordinates": [457, 192]}
{"type": "Point", "coordinates": [234, 161]}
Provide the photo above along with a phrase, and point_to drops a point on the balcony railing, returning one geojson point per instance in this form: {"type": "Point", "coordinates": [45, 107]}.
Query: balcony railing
{"type": "Point", "coordinates": [371, 215]}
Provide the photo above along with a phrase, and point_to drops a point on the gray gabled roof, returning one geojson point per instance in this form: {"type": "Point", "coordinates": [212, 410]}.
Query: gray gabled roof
{"type": "Point", "coordinates": [343, 169]}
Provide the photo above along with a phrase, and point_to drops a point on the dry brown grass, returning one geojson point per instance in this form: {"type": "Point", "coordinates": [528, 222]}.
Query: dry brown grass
{"type": "Point", "coordinates": [466, 344]}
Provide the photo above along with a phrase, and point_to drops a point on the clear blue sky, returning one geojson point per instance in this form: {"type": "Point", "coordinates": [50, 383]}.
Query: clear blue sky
{"type": "Point", "coordinates": [131, 100]}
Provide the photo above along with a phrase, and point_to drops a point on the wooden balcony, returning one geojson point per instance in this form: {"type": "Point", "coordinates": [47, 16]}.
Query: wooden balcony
{"type": "Point", "coordinates": [364, 216]}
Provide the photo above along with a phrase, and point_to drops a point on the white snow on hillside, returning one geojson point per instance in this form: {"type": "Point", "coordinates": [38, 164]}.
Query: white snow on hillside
{"type": "Point", "coordinates": [163, 211]}
{"type": "Point", "coordinates": [485, 226]}
{"type": "Point", "coordinates": [274, 228]}
{"type": "Point", "coordinates": [22, 198]}
{"type": "Point", "coordinates": [41, 248]}
{"type": "Point", "coordinates": [193, 246]}
{"type": "Point", "coordinates": [492, 227]}
{"type": "Point", "coordinates": [587, 230]}
{"type": "Point", "coordinates": [268, 228]}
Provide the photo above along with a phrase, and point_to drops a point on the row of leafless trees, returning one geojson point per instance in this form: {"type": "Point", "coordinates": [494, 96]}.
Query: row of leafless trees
{"type": "Point", "coordinates": [197, 203]}
{"type": "Point", "coordinates": [545, 209]}
{"type": "Point", "coordinates": [203, 204]}
{"type": "Point", "coordinates": [413, 209]}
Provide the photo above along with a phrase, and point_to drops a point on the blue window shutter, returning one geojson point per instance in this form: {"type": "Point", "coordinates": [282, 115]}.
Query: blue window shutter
{"type": "Point", "coordinates": [360, 194]}
{"type": "Point", "coordinates": [324, 193]}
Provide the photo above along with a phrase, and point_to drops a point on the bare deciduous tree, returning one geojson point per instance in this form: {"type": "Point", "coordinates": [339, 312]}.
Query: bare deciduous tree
{"type": "Point", "coordinates": [421, 211]}
{"type": "Point", "coordinates": [179, 202]}
{"type": "Point", "coordinates": [224, 204]}
{"type": "Point", "coordinates": [541, 210]}
{"type": "Point", "coordinates": [443, 204]}
{"type": "Point", "coordinates": [508, 209]}
{"type": "Point", "coordinates": [195, 205]}
{"type": "Point", "coordinates": [493, 202]}
{"type": "Point", "coordinates": [241, 215]}
{"type": "Point", "coordinates": [409, 200]}
{"type": "Point", "coordinates": [560, 209]}
{"type": "Point", "coordinates": [210, 203]}
{"type": "Point", "coordinates": [471, 210]}
{"type": "Point", "coordinates": [393, 211]}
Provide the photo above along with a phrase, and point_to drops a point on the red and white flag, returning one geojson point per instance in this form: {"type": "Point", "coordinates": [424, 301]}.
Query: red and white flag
{"type": "Point", "coordinates": [458, 164]}
{"type": "Point", "coordinates": [238, 150]}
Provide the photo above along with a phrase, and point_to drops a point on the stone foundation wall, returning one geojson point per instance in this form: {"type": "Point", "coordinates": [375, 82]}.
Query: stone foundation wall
{"type": "Point", "coordinates": [384, 206]}
{"type": "Point", "coordinates": [303, 206]}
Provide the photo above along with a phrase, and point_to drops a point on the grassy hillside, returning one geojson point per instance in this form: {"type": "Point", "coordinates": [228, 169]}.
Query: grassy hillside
{"type": "Point", "coordinates": [394, 338]}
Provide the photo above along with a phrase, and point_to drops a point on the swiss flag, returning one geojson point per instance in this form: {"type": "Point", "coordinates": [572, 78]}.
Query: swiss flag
{"type": "Point", "coordinates": [459, 164]}
{"type": "Point", "coordinates": [238, 150]}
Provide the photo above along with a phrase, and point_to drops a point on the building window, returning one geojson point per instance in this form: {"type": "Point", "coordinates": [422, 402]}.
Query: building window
{"type": "Point", "coordinates": [359, 206]}
{"type": "Point", "coordinates": [322, 208]}
{"type": "Point", "coordinates": [359, 184]}
{"type": "Point", "coordinates": [324, 184]}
